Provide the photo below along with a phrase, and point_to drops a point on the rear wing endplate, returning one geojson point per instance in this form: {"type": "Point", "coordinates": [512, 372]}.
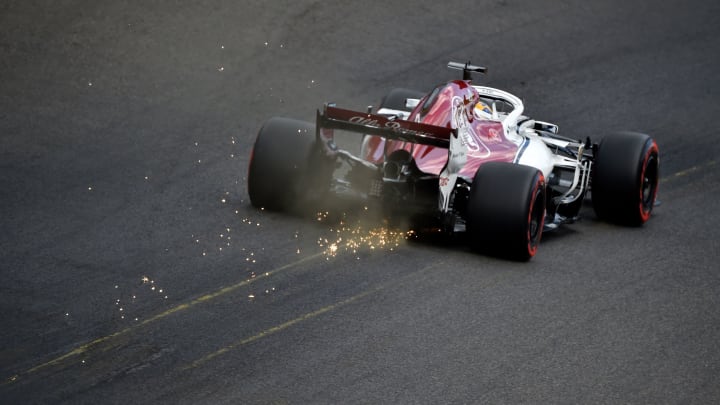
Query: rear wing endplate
{"type": "Point", "coordinates": [332, 117]}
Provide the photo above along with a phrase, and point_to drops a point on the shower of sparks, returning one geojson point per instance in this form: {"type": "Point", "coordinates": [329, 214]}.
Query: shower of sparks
{"type": "Point", "coordinates": [353, 239]}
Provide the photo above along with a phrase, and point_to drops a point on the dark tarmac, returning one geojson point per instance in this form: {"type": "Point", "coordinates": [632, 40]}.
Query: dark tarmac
{"type": "Point", "coordinates": [134, 270]}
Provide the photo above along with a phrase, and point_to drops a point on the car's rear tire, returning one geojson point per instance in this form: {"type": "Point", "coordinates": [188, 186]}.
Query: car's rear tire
{"type": "Point", "coordinates": [285, 166]}
{"type": "Point", "coordinates": [506, 210]}
{"type": "Point", "coordinates": [625, 178]}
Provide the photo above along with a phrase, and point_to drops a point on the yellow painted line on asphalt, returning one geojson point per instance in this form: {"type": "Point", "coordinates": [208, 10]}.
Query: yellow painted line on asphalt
{"type": "Point", "coordinates": [181, 307]}
{"type": "Point", "coordinates": [688, 171]}
{"type": "Point", "coordinates": [302, 318]}
{"type": "Point", "coordinates": [281, 327]}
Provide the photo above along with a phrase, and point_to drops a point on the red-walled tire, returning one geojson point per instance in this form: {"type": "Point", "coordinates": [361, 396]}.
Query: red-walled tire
{"type": "Point", "coordinates": [625, 178]}
{"type": "Point", "coordinates": [506, 210]}
{"type": "Point", "coordinates": [283, 167]}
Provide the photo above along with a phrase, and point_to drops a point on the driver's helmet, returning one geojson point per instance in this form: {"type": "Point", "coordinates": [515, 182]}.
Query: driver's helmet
{"type": "Point", "coordinates": [482, 110]}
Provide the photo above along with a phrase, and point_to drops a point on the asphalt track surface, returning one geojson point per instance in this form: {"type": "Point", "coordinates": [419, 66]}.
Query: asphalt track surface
{"type": "Point", "coordinates": [134, 270]}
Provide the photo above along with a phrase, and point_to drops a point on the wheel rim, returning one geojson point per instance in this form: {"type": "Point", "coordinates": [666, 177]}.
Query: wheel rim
{"type": "Point", "coordinates": [536, 218]}
{"type": "Point", "coordinates": [649, 183]}
{"type": "Point", "coordinates": [648, 187]}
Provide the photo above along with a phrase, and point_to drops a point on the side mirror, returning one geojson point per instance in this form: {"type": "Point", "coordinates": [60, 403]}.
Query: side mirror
{"type": "Point", "coordinates": [412, 102]}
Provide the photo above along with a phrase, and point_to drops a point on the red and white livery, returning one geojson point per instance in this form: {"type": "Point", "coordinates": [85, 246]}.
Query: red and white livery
{"type": "Point", "coordinates": [463, 156]}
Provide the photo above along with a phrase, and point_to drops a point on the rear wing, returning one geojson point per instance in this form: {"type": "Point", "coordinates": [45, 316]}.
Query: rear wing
{"type": "Point", "coordinates": [373, 124]}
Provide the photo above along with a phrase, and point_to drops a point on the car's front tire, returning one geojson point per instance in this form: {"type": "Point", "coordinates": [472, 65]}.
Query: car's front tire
{"type": "Point", "coordinates": [506, 210]}
{"type": "Point", "coordinates": [625, 178]}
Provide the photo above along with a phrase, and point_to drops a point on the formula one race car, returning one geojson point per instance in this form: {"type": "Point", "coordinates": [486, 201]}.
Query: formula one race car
{"type": "Point", "coordinates": [463, 155]}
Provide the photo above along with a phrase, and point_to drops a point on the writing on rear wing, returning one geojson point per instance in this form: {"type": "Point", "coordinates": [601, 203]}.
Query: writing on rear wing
{"type": "Point", "coordinates": [333, 117]}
